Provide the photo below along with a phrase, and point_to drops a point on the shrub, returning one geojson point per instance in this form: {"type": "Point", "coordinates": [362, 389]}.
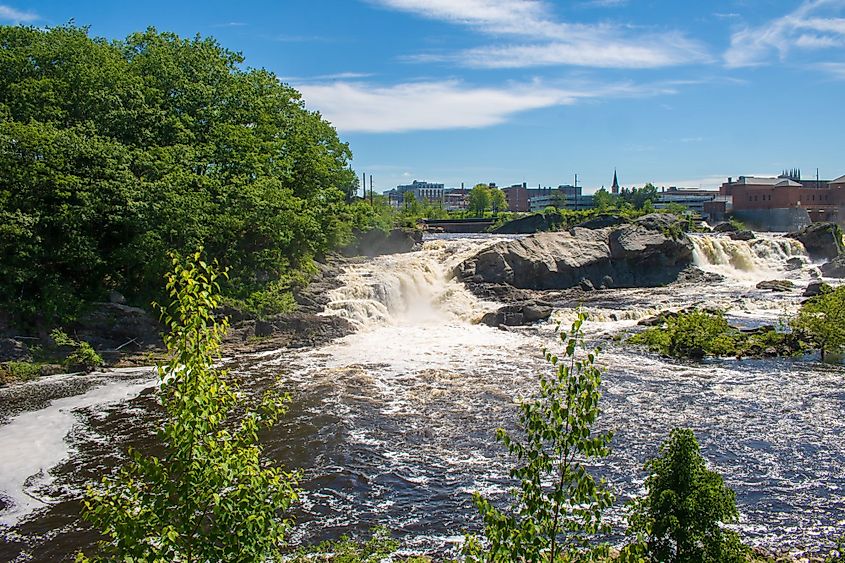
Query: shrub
{"type": "Point", "coordinates": [557, 509]}
{"type": "Point", "coordinates": [685, 505]}
{"type": "Point", "coordinates": [82, 358]}
{"type": "Point", "coordinates": [380, 546]}
{"type": "Point", "coordinates": [18, 371]}
{"type": "Point", "coordinates": [211, 497]}
{"type": "Point", "coordinates": [692, 334]}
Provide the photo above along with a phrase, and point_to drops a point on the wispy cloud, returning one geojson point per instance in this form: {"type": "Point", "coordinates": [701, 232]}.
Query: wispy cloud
{"type": "Point", "coordinates": [836, 70]}
{"type": "Point", "coordinates": [358, 107]}
{"type": "Point", "coordinates": [543, 40]}
{"type": "Point", "coordinates": [326, 77]}
{"type": "Point", "coordinates": [7, 13]}
{"type": "Point", "coordinates": [814, 25]}
{"type": "Point", "coordinates": [230, 24]}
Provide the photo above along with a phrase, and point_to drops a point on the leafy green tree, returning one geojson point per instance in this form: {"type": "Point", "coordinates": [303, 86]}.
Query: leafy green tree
{"type": "Point", "coordinates": [603, 200]}
{"type": "Point", "coordinates": [822, 319]}
{"type": "Point", "coordinates": [557, 509]}
{"type": "Point", "coordinates": [498, 201]}
{"type": "Point", "coordinates": [685, 506]}
{"type": "Point", "coordinates": [211, 496]}
{"type": "Point", "coordinates": [479, 199]}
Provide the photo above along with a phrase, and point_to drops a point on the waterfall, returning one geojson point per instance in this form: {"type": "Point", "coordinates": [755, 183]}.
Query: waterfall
{"type": "Point", "coordinates": [416, 287]}
{"type": "Point", "coordinates": [757, 259]}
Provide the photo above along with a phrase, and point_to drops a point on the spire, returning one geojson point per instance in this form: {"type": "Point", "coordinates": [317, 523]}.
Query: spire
{"type": "Point", "coordinates": [614, 189]}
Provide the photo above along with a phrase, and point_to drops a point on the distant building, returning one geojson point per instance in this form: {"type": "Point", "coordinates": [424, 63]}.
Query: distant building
{"type": "Point", "coordinates": [614, 189]}
{"type": "Point", "coordinates": [562, 197]}
{"type": "Point", "coordinates": [423, 192]}
{"type": "Point", "coordinates": [518, 197]}
{"type": "Point", "coordinates": [454, 199]}
{"type": "Point", "coordinates": [691, 198]}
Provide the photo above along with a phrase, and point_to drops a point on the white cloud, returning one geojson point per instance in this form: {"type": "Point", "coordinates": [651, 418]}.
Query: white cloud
{"type": "Point", "coordinates": [358, 107]}
{"type": "Point", "coordinates": [7, 13]}
{"type": "Point", "coordinates": [543, 40]}
{"type": "Point", "coordinates": [837, 70]}
{"type": "Point", "coordinates": [811, 26]}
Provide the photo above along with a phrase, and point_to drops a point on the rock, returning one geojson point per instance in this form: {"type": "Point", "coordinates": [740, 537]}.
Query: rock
{"type": "Point", "coordinates": [303, 329]}
{"type": "Point", "coordinates": [776, 285]}
{"type": "Point", "coordinates": [725, 227]}
{"type": "Point", "coordinates": [603, 221]}
{"type": "Point", "coordinates": [106, 326]}
{"type": "Point", "coordinates": [835, 268]}
{"type": "Point", "coordinates": [518, 314]}
{"type": "Point", "coordinates": [794, 263]}
{"type": "Point", "coordinates": [815, 288]}
{"type": "Point", "coordinates": [662, 222]}
{"type": "Point", "coordinates": [531, 224]}
{"type": "Point", "coordinates": [586, 285]}
{"type": "Point", "coordinates": [116, 297]}
{"type": "Point", "coordinates": [13, 350]}
{"type": "Point", "coordinates": [741, 235]}
{"type": "Point", "coordinates": [376, 242]}
{"type": "Point", "coordinates": [606, 282]}
{"type": "Point", "coordinates": [632, 255]}
{"type": "Point", "coordinates": [821, 240]}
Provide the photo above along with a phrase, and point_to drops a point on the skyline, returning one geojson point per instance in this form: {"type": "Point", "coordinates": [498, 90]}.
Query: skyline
{"type": "Point", "coordinates": [475, 91]}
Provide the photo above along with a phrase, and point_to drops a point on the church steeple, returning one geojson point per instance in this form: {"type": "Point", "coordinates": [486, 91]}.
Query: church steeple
{"type": "Point", "coordinates": [614, 189]}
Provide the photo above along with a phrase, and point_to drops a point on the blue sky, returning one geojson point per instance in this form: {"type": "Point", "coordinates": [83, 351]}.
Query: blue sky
{"type": "Point", "coordinates": [676, 93]}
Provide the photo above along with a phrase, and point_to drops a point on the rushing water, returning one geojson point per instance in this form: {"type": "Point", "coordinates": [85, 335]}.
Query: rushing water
{"type": "Point", "coordinates": [394, 424]}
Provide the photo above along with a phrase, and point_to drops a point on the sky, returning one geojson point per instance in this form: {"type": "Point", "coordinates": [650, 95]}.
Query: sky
{"type": "Point", "coordinates": [536, 91]}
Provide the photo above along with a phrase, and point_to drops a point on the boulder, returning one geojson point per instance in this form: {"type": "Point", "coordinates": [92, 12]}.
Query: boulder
{"type": "Point", "coordinates": [662, 222]}
{"type": "Point", "coordinates": [531, 224]}
{"type": "Point", "coordinates": [517, 314]}
{"type": "Point", "coordinates": [586, 285]}
{"type": "Point", "coordinates": [13, 350]}
{"type": "Point", "coordinates": [815, 288]}
{"type": "Point", "coordinates": [794, 263]}
{"type": "Point", "coordinates": [835, 268]}
{"type": "Point", "coordinates": [632, 255]}
{"type": "Point", "coordinates": [376, 242]}
{"type": "Point", "coordinates": [820, 240]}
{"type": "Point", "coordinates": [603, 221]}
{"type": "Point", "coordinates": [776, 285]}
{"type": "Point", "coordinates": [107, 326]}
{"type": "Point", "coordinates": [741, 235]}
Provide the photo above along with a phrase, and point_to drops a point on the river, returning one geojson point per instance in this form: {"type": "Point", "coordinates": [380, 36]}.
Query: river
{"type": "Point", "coordinates": [395, 423]}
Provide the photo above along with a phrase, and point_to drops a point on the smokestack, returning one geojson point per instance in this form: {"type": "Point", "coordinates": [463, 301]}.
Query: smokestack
{"type": "Point", "coordinates": [371, 189]}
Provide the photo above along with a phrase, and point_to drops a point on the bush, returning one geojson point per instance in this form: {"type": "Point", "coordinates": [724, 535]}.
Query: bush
{"type": "Point", "coordinates": [211, 497]}
{"type": "Point", "coordinates": [557, 509]}
{"type": "Point", "coordinates": [693, 334]}
{"type": "Point", "coordinates": [686, 504]}
{"type": "Point", "coordinates": [380, 546]}
{"type": "Point", "coordinates": [18, 371]}
{"type": "Point", "coordinates": [82, 358]}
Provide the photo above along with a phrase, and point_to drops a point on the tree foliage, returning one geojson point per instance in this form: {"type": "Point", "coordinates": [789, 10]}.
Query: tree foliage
{"type": "Point", "coordinates": [211, 496]}
{"type": "Point", "coordinates": [557, 509]}
{"type": "Point", "coordinates": [479, 199]}
{"type": "Point", "coordinates": [114, 153]}
{"type": "Point", "coordinates": [684, 509]}
{"type": "Point", "coordinates": [822, 319]}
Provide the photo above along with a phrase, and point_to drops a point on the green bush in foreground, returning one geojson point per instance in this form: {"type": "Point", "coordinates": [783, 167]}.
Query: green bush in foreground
{"type": "Point", "coordinates": [686, 503]}
{"type": "Point", "coordinates": [822, 319]}
{"type": "Point", "coordinates": [379, 547]}
{"type": "Point", "coordinates": [82, 358]}
{"type": "Point", "coordinates": [557, 509]}
{"type": "Point", "coordinates": [211, 497]}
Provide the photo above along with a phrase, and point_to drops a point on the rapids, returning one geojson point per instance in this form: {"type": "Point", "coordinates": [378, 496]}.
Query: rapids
{"type": "Point", "coordinates": [394, 424]}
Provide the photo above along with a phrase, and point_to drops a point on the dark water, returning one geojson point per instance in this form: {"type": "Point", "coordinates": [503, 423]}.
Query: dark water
{"type": "Point", "coordinates": [394, 425]}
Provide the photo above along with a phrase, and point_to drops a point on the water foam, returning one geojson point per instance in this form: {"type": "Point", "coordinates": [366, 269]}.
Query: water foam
{"type": "Point", "coordinates": [754, 260]}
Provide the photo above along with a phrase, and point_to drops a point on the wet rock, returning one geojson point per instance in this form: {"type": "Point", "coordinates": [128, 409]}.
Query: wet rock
{"type": "Point", "coordinates": [13, 350]}
{"type": "Point", "coordinates": [297, 330]}
{"type": "Point", "coordinates": [376, 242]}
{"type": "Point", "coordinates": [536, 223]}
{"type": "Point", "coordinates": [821, 240]}
{"type": "Point", "coordinates": [835, 268]}
{"type": "Point", "coordinates": [776, 285]}
{"type": "Point", "coordinates": [815, 288]}
{"type": "Point", "coordinates": [725, 227]}
{"type": "Point", "coordinates": [518, 314]}
{"type": "Point", "coordinates": [632, 255]}
{"type": "Point", "coordinates": [794, 263]}
{"type": "Point", "coordinates": [742, 235]}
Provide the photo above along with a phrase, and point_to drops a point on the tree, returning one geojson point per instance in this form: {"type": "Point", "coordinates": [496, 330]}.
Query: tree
{"type": "Point", "coordinates": [603, 200]}
{"type": "Point", "coordinates": [211, 497]}
{"type": "Point", "coordinates": [498, 201]}
{"type": "Point", "coordinates": [479, 199]}
{"type": "Point", "coordinates": [556, 521]}
{"type": "Point", "coordinates": [822, 319]}
{"type": "Point", "coordinates": [685, 505]}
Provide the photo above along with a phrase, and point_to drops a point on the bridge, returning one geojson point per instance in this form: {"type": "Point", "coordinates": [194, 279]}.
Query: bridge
{"type": "Point", "coordinates": [475, 225]}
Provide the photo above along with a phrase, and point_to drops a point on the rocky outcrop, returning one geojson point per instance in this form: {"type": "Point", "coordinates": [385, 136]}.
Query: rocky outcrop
{"type": "Point", "coordinates": [109, 326]}
{"type": "Point", "coordinates": [603, 221]}
{"type": "Point", "coordinates": [741, 235]}
{"type": "Point", "coordinates": [376, 242]}
{"type": "Point", "coordinates": [835, 268]}
{"type": "Point", "coordinates": [815, 288]}
{"type": "Point", "coordinates": [517, 314]}
{"type": "Point", "coordinates": [531, 224]}
{"type": "Point", "coordinates": [631, 255]}
{"type": "Point", "coordinates": [821, 240]}
{"type": "Point", "coordinates": [292, 330]}
{"type": "Point", "coordinates": [725, 227]}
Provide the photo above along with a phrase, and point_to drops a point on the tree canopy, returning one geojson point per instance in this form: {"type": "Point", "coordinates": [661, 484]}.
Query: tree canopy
{"type": "Point", "coordinates": [114, 153]}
